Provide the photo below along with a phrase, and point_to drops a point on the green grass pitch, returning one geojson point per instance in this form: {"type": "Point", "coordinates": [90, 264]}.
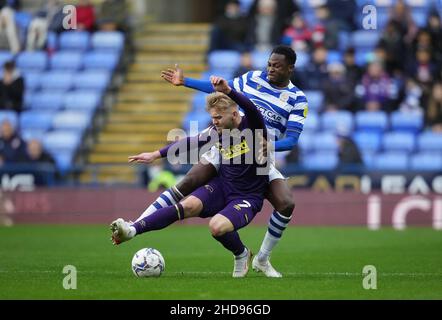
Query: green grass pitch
{"type": "Point", "coordinates": [317, 263]}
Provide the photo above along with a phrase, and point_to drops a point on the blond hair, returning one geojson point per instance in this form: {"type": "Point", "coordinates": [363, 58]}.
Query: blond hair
{"type": "Point", "coordinates": [219, 101]}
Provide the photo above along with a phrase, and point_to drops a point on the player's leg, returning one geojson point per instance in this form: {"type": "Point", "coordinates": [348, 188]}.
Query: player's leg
{"type": "Point", "coordinates": [123, 231]}
{"type": "Point", "coordinates": [280, 196]}
{"type": "Point", "coordinates": [198, 175]}
{"type": "Point", "coordinates": [224, 226]}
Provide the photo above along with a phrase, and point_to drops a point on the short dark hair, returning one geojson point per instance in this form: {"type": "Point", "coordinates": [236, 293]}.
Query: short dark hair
{"type": "Point", "coordinates": [9, 65]}
{"type": "Point", "coordinates": [287, 52]}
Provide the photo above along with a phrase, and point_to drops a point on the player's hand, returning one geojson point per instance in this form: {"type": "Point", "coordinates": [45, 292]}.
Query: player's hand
{"type": "Point", "coordinates": [262, 150]}
{"type": "Point", "coordinates": [146, 157]}
{"type": "Point", "coordinates": [220, 84]}
{"type": "Point", "coordinates": [173, 76]}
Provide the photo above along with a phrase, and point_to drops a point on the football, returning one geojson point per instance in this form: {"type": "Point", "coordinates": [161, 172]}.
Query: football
{"type": "Point", "coordinates": [148, 262]}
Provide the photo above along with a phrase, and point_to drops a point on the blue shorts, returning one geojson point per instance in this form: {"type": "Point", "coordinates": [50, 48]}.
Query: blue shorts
{"type": "Point", "coordinates": [239, 210]}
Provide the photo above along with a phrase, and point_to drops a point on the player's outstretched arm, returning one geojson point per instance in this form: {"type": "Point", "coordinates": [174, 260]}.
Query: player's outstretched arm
{"type": "Point", "coordinates": [145, 157]}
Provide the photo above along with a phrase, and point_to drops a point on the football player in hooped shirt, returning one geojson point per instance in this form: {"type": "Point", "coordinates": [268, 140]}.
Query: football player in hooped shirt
{"type": "Point", "coordinates": [236, 195]}
{"type": "Point", "coordinates": [284, 108]}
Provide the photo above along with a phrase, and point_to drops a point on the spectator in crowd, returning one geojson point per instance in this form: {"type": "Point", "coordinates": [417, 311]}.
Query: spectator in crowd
{"type": "Point", "coordinates": [433, 116]}
{"type": "Point", "coordinates": [11, 88]}
{"type": "Point", "coordinates": [401, 14]}
{"type": "Point", "coordinates": [230, 30]}
{"type": "Point", "coordinates": [36, 154]}
{"type": "Point", "coordinates": [338, 93]}
{"type": "Point", "coordinates": [298, 35]}
{"type": "Point", "coordinates": [12, 146]}
{"type": "Point", "coordinates": [112, 16]}
{"type": "Point", "coordinates": [326, 32]}
{"type": "Point", "coordinates": [348, 151]}
{"type": "Point", "coordinates": [344, 12]}
{"type": "Point", "coordinates": [85, 15]}
{"type": "Point", "coordinates": [391, 41]}
{"type": "Point", "coordinates": [377, 90]}
{"type": "Point", "coordinates": [423, 70]}
{"type": "Point", "coordinates": [412, 100]}
{"type": "Point", "coordinates": [434, 27]}
{"type": "Point", "coordinates": [269, 19]}
{"type": "Point", "coordinates": [353, 71]}
{"type": "Point", "coordinates": [7, 23]}
{"type": "Point", "coordinates": [246, 65]}
{"type": "Point", "coordinates": [48, 18]}
{"type": "Point", "coordinates": [314, 73]}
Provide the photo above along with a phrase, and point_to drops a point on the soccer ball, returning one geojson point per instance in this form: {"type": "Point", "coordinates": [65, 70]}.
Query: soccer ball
{"type": "Point", "coordinates": [148, 262]}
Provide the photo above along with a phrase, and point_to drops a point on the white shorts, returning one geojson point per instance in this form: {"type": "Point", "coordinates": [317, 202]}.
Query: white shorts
{"type": "Point", "coordinates": [212, 157]}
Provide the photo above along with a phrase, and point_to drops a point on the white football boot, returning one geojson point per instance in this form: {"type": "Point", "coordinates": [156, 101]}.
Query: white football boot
{"type": "Point", "coordinates": [121, 231]}
{"type": "Point", "coordinates": [241, 266]}
{"type": "Point", "coordinates": [265, 267]}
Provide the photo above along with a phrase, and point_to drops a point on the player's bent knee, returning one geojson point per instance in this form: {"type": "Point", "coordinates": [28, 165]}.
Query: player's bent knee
{"type": "Point", "coordinates": [220, 225]}
{"type": "Point", "coordinates": [285, 206]}
{"type": "Point", "coordinates": [192, 206]}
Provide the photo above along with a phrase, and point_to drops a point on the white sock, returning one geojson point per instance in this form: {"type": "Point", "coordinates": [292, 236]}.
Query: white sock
{"type": "Point", "coordinates": [132, 231]}
{"type": "Point", "coordinates": [243, 254]}
{"type": "Point", "coordinates": [276, 227]}
{"type": "Point", "coordinates": [168, 198]}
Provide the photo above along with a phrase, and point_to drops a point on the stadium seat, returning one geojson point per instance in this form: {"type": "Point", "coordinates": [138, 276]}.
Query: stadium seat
{"type": "Point", "coordinates": [63, 160]}
{"type": "Point", "coordinates": [364, 39]}
{"type": "Point", "coordinates": [36, 61]}
{"type": "Point", "coordinates": [325, 141]}
{"type": "Point", "coordinates": [334, 56]}
{"type": "Point", "coordinates": [426, 161]}
{"type": "Point", "coordinates": [78, 41]}
{"type": "Point", "coordinates": [368, 158]}
{"type": "Point", "coordinates": [101, 60]}
{"type": "Point", "coordinates": [311, 122]}
{"type": "Point", "coordinates": [9, 115]}
{"type": "Point", "coordinates": [28, 96]}
{"type": "Point", "coordinates": [322, 161]}
{"type": "Point", "coordinates": [337, 121]}
{"type": "Point", "coordinates": [391, 161]}
{"type": "Point", "coordinates": [108, 40]}
{"type": "Point", "coordinates": [306, 142]}
{"type": "Point", "coordinates": [82, 100]}
{"type": "Point", "coordinates": [66, 60]}
{"type": "Point", "coordinates": [29, 134]}
{"type": "Point", "coordinates": [315, 100]}
{"type": "Point", "coordinates": [71, 120]}
{"type": "Point", "coordinates": [47, 100]}
{"type": "Point", "coordinates": [398, 141]}
{"type": "Point", "coordinates": [302, 59]}
{"type": "Point", "coordinates": [199, 101]}
{"type": "Point", "coordinates": [367, 141]}
{"type": "Point", "coordinates": [371, 121]}
{"type": "Point", "coordinates": [202, 120]}
{"type": "Point", "coordinates": [93, 80]}
{"type": "Point", "coordinates": [344, 39]}
{"type": "Point", "coordinates": [406, 121]}
{"type": "Point", "coordinates": [363, 56]}
{"type": "Point", "coordinates": [259, 59]}
{"type": "Point", "coordinates": [32, 80]}
{"type": "Point", "coordinates": [224, 60]}
{"type": "Point", "coordinates": [36, 120]}
{"type": "Point", "coordinates": [57, 80]}
{"type": "Point", "coordinates": [59, 140]}
{"type": "Point", "coordinates": [430, 141]}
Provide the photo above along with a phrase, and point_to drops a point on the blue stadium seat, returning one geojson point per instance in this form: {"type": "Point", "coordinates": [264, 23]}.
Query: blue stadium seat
{"type": "Point", "coordinates": [315, 100]}
{"type": "Point", "coordinates": [325, 141]}
{"type": "Point", "coordinates": [337, 121]}
{"type": "Point", "coordinates": [199, 101]}
{"type": "Point", "coordinates": [426, 161]}
{"type": "Point", "coordinates": [363, 56]}
{"type": "Point", "coordinates": [430, 141]}
{"type": "Point", "coordinates": [399, 141]}
{"type": "Point", "coordinates": [71, 120]}
{"type": "Point", "coordinates": [32, 80]}
{"type": "Point", "coordinates": [406, 121]}
{"type": "Point", "coordinates": [101, 60]}
{"type": "Point", "coordinates": [259, 59]}
{"type": "Point", "coordinates": [108, 40]}
{"type": "Point", "coordinates": [29, 134]}
{"type": "Point", "coordinates": [306, 142]}
{"type": "Point", "coordinates": [202, 118]}
{"type": "Point", "coordinates": [82, 100]}
{"type": "Point", "coordinates": [47, 100]}
{"type": "Point", "coordinates": [334, 56]}
{"type": "Point", "coordinates": [78, 40]}
{"type": "Point", "coordinates": [371, 121]}
{"type": "Point", "coordinates": [311, 122]}
{"type": "Point", "coordinates": [368, 158]}
{"type": "Point", "coordinates": [391, 161]}
{"type": "Point", "coordinates": [224, 60]}
{"type": "Point", "coordinates": [64, 160]}
{"type": "Point", "coordinates": [66, 60]}
{"type": "Point", "coordinates": [365, 39]}
{"type": "Point", "coordinates": [367, 141]}
{"type": "Point", "coordinates": [36, 120]}
{"type": "Point", "coordinates": [60, 143]}
{"type": "Point", "coordinates": [322, 161]}
{"type": "Point", "coordinates": [344, 39]}
{"type": "Point", "coordinates": [4, 57]}
{"type": "Point", "coordinates": [302, 59]}
{"type": "Point", "coordinates": [9, 115]}
{"type": "Point", "coordinates": [36, 61]}
{"type": "Point", "coordinates": [57, 80]}
{"type": "Point", "coordinates": [93, 80]}
{"type": "Point", "coordinates": [52, 41]}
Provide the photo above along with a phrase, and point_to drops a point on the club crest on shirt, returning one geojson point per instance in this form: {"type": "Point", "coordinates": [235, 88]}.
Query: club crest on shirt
{"type": "Point", "coordinates": [284, 96]}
